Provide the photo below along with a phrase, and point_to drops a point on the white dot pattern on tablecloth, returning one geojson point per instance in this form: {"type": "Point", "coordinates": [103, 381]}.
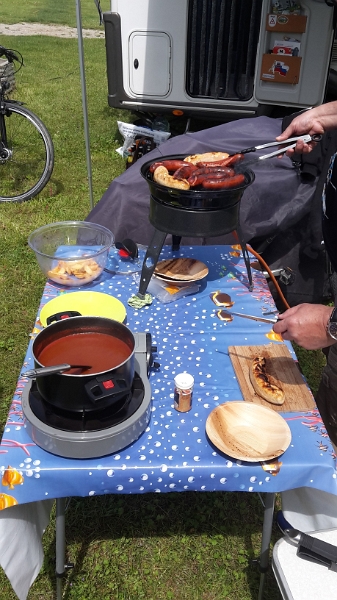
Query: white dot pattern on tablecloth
{"type": "Point", "coordinates": [174, 453]}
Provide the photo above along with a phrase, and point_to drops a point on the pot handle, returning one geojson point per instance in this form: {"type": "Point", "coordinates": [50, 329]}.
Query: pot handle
{"type": "Point", "coordinates": [62, 315]}
{"type": "Point", "coordinates": [103, 388]}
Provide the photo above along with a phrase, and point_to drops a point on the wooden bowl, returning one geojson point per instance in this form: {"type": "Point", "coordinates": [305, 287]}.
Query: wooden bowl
{"type": "Point", "coordinates": [248, 431]}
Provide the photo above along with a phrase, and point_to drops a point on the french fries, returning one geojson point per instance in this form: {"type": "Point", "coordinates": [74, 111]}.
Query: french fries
{"type": "Point", "coordinates": [65, 271]}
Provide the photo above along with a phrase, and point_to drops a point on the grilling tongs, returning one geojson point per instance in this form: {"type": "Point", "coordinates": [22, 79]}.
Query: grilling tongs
{"type": "Point", "coordinates": [316, 137]}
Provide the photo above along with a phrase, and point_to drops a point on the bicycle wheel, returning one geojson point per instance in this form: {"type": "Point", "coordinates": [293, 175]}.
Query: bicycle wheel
{"type": "Point", "coordinates": [26, 153]}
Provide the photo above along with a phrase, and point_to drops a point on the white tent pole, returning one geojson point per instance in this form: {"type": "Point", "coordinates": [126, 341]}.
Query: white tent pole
{"type": "Point", "coordinates": [84, 98]}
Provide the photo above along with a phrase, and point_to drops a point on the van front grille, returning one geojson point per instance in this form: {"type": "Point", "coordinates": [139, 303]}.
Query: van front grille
{"type": "Point", "coordinates": [221, 48]}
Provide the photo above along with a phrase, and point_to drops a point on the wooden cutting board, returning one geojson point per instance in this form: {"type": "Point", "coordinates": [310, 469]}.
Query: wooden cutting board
{"type": "Point", "coordinates": [282, 367]}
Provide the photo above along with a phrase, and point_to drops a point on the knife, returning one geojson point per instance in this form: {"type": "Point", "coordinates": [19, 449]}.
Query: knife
{"type": "Point", "coordinates": [313, 549]}
{"type": "Point", "coordinates": [253, 317]}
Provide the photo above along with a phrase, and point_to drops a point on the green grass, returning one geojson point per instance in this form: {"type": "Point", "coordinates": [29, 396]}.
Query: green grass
{"type": "Point", "coordinates": [311, 363]}
{"type": "Point", "coordinates": [50, 86]}
{"type": "Point", "coordinates": [62, 12]}
{"type": "Point", "coordinates": [184, 546]}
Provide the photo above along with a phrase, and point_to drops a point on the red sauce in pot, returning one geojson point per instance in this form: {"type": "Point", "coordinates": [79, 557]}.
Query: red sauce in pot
{"type": "Point", "coordinates": [99, 351]}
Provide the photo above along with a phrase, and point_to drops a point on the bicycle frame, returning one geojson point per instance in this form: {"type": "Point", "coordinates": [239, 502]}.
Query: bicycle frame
{"type": "Point", "coordinates": [3, 132]}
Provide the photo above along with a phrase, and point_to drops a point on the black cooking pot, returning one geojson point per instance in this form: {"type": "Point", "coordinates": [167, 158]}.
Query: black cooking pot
{"type": "Point", "coordinates": [106, 347]}
{"type": "Point", "coordinates": [195, 199]}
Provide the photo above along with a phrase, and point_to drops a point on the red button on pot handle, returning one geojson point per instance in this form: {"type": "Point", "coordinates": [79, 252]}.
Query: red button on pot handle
{"type": "Point", "coordinates": [108, 385]}
{"type": "Point", "coordinates": [99, 389]}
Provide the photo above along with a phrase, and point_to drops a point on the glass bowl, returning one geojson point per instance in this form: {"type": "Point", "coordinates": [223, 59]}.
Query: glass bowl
{"type": "Point", "coordinates": [71, 253]}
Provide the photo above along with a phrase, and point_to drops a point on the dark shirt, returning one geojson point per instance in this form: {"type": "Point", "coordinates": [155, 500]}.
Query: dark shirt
{"type": "Point", "coordinates": [329, 211]}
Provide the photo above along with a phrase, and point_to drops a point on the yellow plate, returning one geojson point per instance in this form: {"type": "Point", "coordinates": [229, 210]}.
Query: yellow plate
{"type": "Point", "coordinates": [248, 431]}
{"type": "Point", "coordinates": [92, 304]}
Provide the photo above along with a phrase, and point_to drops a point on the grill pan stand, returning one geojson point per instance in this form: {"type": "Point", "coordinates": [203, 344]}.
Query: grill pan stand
{"type": "Point", "coordinates": [193, 213]}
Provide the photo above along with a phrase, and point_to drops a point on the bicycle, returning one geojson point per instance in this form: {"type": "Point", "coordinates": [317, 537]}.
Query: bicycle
{"type": "Point", "coordinates": [26, 148]}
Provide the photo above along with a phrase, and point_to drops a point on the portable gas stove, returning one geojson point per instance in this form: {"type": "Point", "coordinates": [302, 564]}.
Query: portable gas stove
{"type": "Point", "coordinates": [91, 434]}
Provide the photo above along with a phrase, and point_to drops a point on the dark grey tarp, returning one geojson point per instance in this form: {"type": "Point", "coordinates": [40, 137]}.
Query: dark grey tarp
{"type": "Point", "coordinates": [274, 202]}
{"type": "Point", "coordinates": [276, 211]}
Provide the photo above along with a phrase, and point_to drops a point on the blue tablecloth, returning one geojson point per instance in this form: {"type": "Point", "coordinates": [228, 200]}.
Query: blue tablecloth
{"type": "Point", "coordinates": [174, 453]}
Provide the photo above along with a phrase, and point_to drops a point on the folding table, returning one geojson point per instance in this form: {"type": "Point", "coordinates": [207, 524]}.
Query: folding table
{"type": "Point", "coordinates": [174, 453]}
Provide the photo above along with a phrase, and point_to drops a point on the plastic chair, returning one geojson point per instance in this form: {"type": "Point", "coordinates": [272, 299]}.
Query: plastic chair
{"type": "Point", "coordinates": [300, 579]}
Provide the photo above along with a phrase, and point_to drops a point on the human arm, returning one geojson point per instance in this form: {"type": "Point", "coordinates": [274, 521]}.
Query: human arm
{"type": "Point", "coordinates": [305, 324]}
{"type": "Point", "coordinates": [316, 120]}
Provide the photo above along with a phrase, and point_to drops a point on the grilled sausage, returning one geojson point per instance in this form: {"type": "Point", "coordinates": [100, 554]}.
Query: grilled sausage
{"type": "Point", "coordinates": [213, 170]}
{"type": "Point", "coordinates": [198, 179]}
{"type": "Point", "coordinates": [204, 173]}
{"type": "Point", "coordinates": [185, 171]}
{"type": "Point", "coordinates": [170, 165]}
{"type": "Point", "coordinates": [219, 184]}
{"type": "Point", "coordinates": [234, 160]}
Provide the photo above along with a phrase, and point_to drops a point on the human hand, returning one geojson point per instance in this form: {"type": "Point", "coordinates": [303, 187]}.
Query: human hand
{"type": "Point", "coordinates": [315, 120]}
{"type": "Point", "coordinates": [305, 123]}
{"type": "Point", "coordinates": [305, 325]}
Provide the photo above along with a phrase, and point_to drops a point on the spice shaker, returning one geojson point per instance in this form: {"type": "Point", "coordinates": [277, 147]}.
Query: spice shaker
{"type": "Point", "coordinates": [183, 386]}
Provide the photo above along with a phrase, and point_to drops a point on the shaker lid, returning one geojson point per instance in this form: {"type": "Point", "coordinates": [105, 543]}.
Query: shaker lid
{"type": "Point", "coordinates": [184, 381]}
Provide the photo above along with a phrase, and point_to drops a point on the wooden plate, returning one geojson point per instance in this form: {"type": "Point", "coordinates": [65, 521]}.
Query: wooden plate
{"type": "Point", "coordinates": [173, 282]}
{"type": "Point", "coordinates": [181, 269]}
{"type": "Point", "coordinates": [248, 431]}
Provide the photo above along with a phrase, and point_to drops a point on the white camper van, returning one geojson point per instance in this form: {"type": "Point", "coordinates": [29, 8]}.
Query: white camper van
{"type": "Point", "coordinates": [220, 58]}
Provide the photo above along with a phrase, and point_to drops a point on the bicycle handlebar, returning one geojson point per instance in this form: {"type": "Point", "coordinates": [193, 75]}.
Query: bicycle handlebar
{"type": "Point", "coordinates": [11, 55]}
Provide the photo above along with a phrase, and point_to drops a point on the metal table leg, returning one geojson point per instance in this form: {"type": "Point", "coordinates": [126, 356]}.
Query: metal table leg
{"type": "Point", "coordinates": [176, 239]}
{"type": "Point", "coordinates": [60, 544]}
{"type": "Point", "coordinates": [269, 504]}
